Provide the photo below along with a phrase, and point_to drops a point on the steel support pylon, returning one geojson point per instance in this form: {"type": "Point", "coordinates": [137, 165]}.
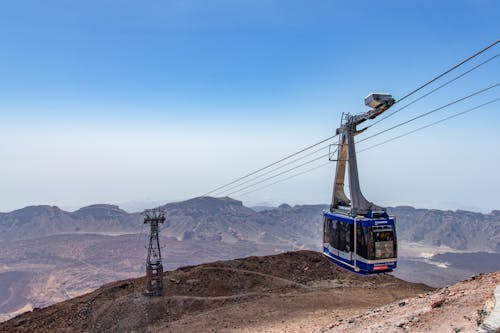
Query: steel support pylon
{"type": "Point", "coordinates": [154, 267]}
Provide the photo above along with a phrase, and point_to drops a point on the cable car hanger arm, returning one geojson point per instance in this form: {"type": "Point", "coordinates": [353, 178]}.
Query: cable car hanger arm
{"type": "Point", "coordinates": [347, 153]}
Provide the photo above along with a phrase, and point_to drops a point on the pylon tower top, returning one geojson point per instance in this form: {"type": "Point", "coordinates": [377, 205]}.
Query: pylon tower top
{"type": "Point", "coordinates": [154, 215]}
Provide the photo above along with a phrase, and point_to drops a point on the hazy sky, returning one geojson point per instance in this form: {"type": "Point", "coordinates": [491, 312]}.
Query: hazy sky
{"type": "Point", "coordinates": [155, 101]}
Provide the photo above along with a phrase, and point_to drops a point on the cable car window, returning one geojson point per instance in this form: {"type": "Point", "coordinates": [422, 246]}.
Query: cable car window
{"type": "Point", "coordinates": [341, 237]}
{"type": "Point", "coordinates": [335, 234]}
{"type": "Point", "coordinates": [344, 236]}
{"type": "Point", "coordinates": [370, 251]}
{"type": "Point", "coordinates": [350, 228]}
{"type": "Point", "coordinates": [331, 232]}
{"type": "Point", "coordinates": [384, 244]}
{"type": "Point", "coordinates": [326, 230]}
{"type": "Point", "coordinates": [361, 249]}
{"type": "Point", "coordinates": [384, 236]}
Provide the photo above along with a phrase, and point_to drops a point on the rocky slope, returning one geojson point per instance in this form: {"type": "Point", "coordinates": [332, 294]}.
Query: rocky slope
{"type": "Point", "coordinates": [458, 308]}
{"type": "Point", "coordinates": [291, 292]}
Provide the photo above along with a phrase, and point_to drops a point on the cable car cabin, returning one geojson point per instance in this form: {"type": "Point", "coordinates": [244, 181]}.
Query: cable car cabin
{"type": "Point", "coordinates": [360, 244]}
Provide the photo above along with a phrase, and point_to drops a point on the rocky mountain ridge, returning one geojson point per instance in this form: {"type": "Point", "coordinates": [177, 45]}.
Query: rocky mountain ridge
{"type": "Point", "coordinates": [44, 220]}
{"type": "Point", "coordinates": [462, 230]}
{"type": "Point", "coordinates": [228, 220]}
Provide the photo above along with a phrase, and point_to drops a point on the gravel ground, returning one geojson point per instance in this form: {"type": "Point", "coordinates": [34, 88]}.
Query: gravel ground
{"type": "Point", "coordinates": [459, 308]}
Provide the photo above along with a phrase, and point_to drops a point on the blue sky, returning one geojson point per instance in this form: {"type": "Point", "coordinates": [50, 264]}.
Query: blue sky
{"type": "Point", "coordinates": [122, 101]}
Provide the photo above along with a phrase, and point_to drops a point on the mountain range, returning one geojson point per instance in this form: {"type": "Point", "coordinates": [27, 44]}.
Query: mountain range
{"type": "Point", "coordinates": [228, 220]}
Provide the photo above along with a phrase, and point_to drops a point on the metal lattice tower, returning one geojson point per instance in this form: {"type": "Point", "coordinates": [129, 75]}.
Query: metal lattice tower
{"type": "Point", "coordinates": [154, 267]}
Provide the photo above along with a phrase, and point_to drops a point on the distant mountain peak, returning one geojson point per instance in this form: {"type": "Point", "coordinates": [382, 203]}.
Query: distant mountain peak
{"type": "Point", "coordinates": [284, 206]}
{"type": "Point", "coordinates": [37, 208]}
{"type": "Point", "coordinates": [30, 211]}
{"type": "Point", "coordinates": [99, 207]}
{"type": "Point", "coordinates": [205, 203]}
{"type": "Point", "coordinates": [100, 211]}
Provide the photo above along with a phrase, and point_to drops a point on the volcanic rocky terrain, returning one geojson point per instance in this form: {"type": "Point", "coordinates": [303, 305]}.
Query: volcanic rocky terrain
{"type": "Point", "coordinates": [290, 292]}
{"type": "Point", "coordinates": [49, 255]}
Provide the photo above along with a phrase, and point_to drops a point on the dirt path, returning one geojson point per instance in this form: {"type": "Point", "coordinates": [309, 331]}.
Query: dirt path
{"type": "Point", "coordinates": [304, 310]}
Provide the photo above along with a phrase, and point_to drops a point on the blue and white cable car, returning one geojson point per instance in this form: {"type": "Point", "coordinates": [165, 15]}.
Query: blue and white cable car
{"type": "Point", "coordinates": [357, 234]}
{"type": "Point", "coordinates": [360, 244]}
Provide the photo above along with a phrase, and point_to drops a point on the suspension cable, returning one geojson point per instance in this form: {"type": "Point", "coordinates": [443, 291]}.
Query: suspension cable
{"type": "Point", "coordinates": [270, 165]}
{"type": "Point", "coordinates": [367, 138]}
{"type": "Point", "coordinates": [429, 125]}
{"type": "Point", "coordinates": [273, 170]}
{"type": "Point", "coordinates": [432, 111]}
{"type": "Point", "coordinates": [433, 91]}
{"type": "Point", "coordinates": [331, 137]}
{"type": "Point", "coordinates": [373, 146]}
{"type": "Point", "coordinates": [279, 174]}
{"type": "Point", "coordinates": [287, 178]}
{"type": "Point", "coordinates": [449, 70]}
